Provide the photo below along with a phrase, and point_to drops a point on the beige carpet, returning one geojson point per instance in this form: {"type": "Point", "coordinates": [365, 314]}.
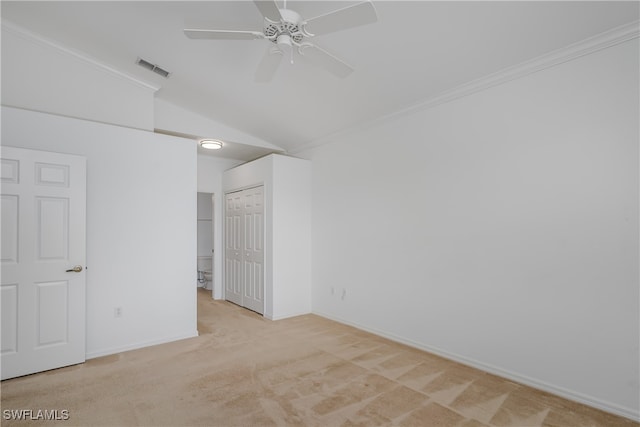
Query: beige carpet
{"type": "Point", "coordinates": [307, 371]}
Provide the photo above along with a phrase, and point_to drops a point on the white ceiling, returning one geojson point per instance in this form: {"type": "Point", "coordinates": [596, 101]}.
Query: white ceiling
{"type": "Point", "coordinates": [416, 50]}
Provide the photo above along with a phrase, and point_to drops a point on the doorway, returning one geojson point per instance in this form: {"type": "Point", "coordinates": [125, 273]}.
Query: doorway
{"type": "Point", "coordinates": [205, 239]}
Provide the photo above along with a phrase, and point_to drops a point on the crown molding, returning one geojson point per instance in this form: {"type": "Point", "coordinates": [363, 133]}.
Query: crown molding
{"type": "Point", "coordinates": [573, 51]}
{"type": "Point", "coordinates": [38, 39]}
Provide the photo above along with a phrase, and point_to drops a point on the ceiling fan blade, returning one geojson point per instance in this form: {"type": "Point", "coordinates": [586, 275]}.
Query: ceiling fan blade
{"type": "Point", "coordinates": [269, 64]}
{"type": "Point", "coordinates": [341, 19]}
{"type": "Point", "coordinates": [222, 34]}
{"type": "Point", "coordinates": [325, 60]}
{"type": "Point", "coordinates": [269, 9]}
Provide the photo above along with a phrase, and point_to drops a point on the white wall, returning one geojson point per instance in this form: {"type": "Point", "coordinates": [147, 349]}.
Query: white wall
{"type": "Point", "coordinates": [42, 76]}
{"type": "Point", "coordinates": [210, 171]}
{"type": "Point", "coordinates": [141, 228]}
{"type": "Point", "coordinates": [500, 229]}
{"type": "Point", "coordinates": [286, 182]}
{"type": "Point", "coordinates": [291, 251]}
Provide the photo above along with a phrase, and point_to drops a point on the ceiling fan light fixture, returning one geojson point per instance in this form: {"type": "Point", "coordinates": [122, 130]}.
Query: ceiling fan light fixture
{"type": "Point", "coordinates": [211, 144]}
{"type": "Point", "coordinates": [284, 43]}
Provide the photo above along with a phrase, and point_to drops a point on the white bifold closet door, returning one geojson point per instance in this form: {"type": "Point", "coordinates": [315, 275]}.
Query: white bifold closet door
{"type": "Point", "coordinates": [244, 248]}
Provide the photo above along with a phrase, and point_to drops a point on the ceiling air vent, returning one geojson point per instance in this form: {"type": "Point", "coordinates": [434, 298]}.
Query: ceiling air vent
{"type": "Point", "coordinates": [153, 67]}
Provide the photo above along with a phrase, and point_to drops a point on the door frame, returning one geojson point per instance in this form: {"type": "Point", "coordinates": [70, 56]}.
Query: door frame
{"type": "Point", "coordinates": [213, 238]}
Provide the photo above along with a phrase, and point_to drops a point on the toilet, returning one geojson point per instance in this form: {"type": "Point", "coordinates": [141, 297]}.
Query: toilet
{"type": "Point", "coordinates": [205, 272]}
{"type": "Point", "coordinates": [208, 277]}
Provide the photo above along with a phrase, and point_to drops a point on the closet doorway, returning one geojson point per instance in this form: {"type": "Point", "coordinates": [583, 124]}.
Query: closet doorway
{"type": "Point", "coordinates": [244, 248]}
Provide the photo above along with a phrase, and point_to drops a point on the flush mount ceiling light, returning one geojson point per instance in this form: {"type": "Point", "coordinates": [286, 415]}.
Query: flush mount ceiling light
{"type": "Point", "coordinates": [211, 144]}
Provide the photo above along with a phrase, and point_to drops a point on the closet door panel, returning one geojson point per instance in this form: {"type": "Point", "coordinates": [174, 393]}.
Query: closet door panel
{"type": "Point", "coordinates": [254, 253]}
{"type": "Point", "coordinates": [232, 249]}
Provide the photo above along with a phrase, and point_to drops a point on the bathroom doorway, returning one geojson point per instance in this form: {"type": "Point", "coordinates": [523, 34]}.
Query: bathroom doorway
{"type": "Point", "coordinates": [205, 239]}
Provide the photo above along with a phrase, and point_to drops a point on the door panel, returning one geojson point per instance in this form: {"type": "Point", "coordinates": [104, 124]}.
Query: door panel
{"type": "Point", "coordinates": [43, 236]}
{"type": "Point", "coordinates": [233, 291]}
{"type": "Point", "coordinates": [53, 228]}
{"type": "Point", "coordinates": [253, 254]}
{"type": "Point", "coordinates": [9, 295]}
{"type": "Point", "coordinates": [52, 302]}
{"type": "Point", "coordinates": [9, 229]}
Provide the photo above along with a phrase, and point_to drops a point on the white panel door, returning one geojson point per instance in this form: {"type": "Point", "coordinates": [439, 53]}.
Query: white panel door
{"type": "Point", "coordinates": [43, 242]}
{"type": "Point", "coordinates": [232, 248]}
{"type": "Point", "coordinates": [253, 249]}
{"type": "Point", "coordinates": [244, 248]}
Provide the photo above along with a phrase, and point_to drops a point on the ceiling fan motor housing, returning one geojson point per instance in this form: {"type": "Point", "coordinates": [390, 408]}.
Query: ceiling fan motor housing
{"type": "Point", "coordinates": [287, 31]}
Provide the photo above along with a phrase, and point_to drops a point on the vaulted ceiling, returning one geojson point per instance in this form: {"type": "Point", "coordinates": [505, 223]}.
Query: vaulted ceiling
{"type": "Point", "coordinates": [415, 51]}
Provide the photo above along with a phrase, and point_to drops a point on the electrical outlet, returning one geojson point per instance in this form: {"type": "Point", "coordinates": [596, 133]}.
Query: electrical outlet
{"type": "Point", "coordinates": [344, 294]}
{"type": "Point", "coordinates": [117, 312]}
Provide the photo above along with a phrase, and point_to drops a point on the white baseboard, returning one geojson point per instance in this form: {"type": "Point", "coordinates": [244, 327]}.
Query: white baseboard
{"type": "Point", "coordinates": [513, 376]}
{"type": "Point", "coordinates": [286, 316]}
{"type": "Point", "coordinates": [138, 345]}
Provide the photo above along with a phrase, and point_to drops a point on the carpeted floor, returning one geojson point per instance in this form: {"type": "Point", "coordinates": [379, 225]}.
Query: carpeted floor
{"type": "Point", "coordinates": [244, 370]}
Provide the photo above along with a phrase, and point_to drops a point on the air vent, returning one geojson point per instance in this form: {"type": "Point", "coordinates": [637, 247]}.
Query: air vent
{"type": "Point", "coordinates": [153, 67]}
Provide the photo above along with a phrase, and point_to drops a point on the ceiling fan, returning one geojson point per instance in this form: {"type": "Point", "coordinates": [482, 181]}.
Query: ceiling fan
{"type": "Point", "coordinates": [288, 31]}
